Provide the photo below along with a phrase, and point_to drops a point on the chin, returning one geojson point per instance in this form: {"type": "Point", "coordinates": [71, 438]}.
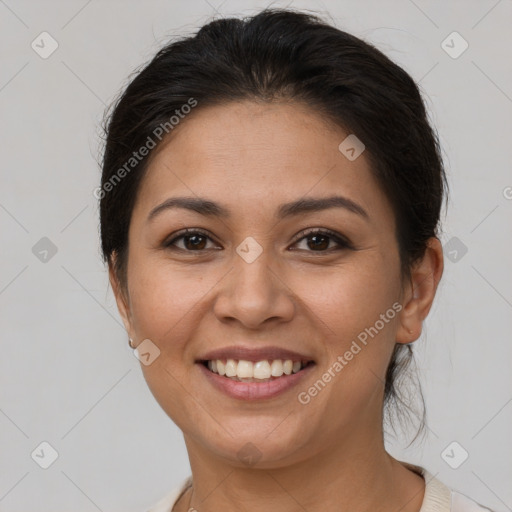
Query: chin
{"type": "Point", "coordinates": [263, 448]}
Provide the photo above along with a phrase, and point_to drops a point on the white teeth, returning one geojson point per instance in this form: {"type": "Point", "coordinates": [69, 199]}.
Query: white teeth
{"type": "Point", "coordinates": [221, 367]}
{"type": "Point", "coordinates": [231, 368]}
{"type": "Point", "coordinates": [244, 370]}
{"type": "Point", "coordinates": [261, 370]}
{"type": "Point", "coordinates": [276, 368]}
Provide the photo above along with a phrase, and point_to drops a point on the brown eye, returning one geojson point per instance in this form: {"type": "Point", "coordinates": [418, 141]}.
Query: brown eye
{"type": "Point", "coordinates": [319, 241]}
{"type": "Point", "coordinates": [192, 240]}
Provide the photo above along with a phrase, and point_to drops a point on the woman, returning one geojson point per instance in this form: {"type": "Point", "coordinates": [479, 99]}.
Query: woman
{"type": "Point", "coordinates": [270, 202]}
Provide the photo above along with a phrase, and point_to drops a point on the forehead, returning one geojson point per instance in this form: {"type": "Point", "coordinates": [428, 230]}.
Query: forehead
{"type": "Point", "coordinates": [243, 153]}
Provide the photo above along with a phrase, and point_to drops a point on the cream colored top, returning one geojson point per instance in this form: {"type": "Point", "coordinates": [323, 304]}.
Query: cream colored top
{"type": "Point", "coordinates": [437, 498]}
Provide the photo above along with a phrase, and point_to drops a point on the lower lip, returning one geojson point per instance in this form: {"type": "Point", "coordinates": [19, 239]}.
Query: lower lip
{"type": "Point", "coordinates": [255, 390]}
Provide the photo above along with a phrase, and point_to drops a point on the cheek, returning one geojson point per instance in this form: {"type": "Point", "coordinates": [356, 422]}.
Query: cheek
{"type": "Point", "coordinates": [165, 306]}
{"type": "Point", "coordinates": [163, 297]}
{"type": "Point", "coordinates": [353, 307]}
{"type": "Point", "coordinates": [352, 297]}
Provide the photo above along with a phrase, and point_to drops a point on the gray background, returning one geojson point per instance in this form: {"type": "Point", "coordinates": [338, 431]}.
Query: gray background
{"type": "Point", "coordinates": [67, 374]}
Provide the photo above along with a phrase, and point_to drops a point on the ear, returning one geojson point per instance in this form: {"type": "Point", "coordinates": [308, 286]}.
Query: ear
{"type": "Point", "coordinates": [418, 294]}
{"type": "Point", "coordinates": [123, 304]}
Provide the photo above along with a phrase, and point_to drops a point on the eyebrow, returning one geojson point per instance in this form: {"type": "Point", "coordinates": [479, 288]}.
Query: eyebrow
{"type": "Point", "coordinates": [306, 205]}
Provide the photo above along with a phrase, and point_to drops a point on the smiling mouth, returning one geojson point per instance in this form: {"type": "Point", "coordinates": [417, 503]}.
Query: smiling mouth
{"type": "Point", "coordinates": [259, 371]}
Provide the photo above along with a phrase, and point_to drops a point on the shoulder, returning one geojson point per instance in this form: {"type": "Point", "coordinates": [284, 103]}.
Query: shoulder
{"type": "Point", "coordinates": [169, 500]}
{"type": "Point", "coordinates": [461, 503]}
{"type": "Point", "coordinates": [440, 498]}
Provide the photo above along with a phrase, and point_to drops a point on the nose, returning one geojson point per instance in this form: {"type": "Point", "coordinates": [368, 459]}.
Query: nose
{"type": "Point", "coordinates": [255, 293]}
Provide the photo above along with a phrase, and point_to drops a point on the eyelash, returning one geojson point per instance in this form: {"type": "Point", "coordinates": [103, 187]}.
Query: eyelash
{"type": "Point", "coordinates": [342, 242]}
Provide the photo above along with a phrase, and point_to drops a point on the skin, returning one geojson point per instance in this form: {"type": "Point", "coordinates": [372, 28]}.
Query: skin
{"type": "Point", "coordinates": [328, 454]}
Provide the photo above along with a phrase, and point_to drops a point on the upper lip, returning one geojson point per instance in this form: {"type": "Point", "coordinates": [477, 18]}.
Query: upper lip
{"type": "Point", "coordinates": [254, 354]}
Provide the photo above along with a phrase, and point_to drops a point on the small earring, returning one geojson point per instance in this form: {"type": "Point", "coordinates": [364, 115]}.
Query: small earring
{"type": "Point", "coordinates": [130, 343]}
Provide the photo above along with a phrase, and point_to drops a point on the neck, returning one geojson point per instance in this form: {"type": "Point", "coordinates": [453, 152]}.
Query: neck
{"type": "Point", "coordinates": [356, 475]}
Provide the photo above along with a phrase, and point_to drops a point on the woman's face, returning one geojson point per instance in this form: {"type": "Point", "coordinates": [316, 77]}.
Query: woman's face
{"type": "Point", "coordinates": [253, 279]}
